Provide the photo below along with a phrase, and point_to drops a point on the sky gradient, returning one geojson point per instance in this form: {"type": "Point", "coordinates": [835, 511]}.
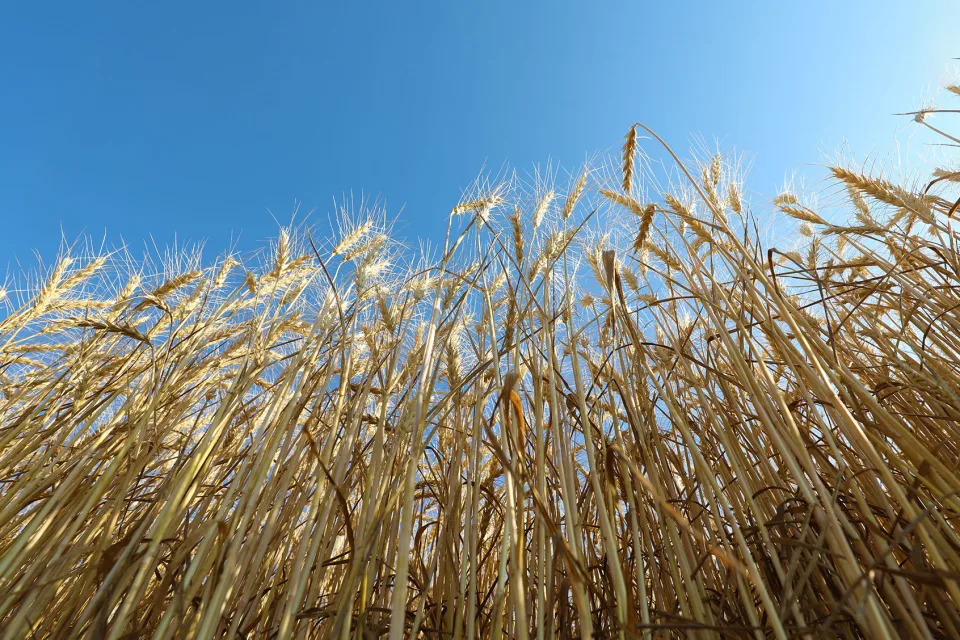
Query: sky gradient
{"type": "Point", "coordinates": [146, 122]}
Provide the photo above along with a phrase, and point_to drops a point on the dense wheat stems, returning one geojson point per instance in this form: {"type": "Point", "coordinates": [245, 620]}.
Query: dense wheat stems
{"type": "Point", "coordinates": [606, 410]}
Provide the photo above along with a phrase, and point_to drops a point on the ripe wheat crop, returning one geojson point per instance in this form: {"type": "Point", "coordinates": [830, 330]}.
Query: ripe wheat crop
{"type": "Point", "coordinates": [605, 409]}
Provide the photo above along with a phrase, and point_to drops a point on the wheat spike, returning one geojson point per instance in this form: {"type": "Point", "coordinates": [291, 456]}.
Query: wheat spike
{"type": "Point", "coordinates": [574, 196]}
{"type": "Point", "coordinates": [623, 200]}
{"type": "Point", "coordinates": [352, 237]}
{"type": "Point", "coordinates": [541, 208]}
{"type": "Point", "coordinates": [645, 220]}
{"type": "Point", "coordinates": [629, 158]}
{"type": "Point", "coordinates": [518, 242]}
{"type": "Point", "coordinates": [802, 213]}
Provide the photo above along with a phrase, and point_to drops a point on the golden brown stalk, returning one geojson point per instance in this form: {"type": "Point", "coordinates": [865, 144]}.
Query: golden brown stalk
{"type": "Point", "coordinates": [513, 410]}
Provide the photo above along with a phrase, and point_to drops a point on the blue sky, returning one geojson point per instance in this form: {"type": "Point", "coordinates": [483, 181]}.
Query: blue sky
{"type": "Point", "coordinates": [194, 120]}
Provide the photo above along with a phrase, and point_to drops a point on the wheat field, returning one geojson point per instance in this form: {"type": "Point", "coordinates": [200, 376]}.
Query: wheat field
{"type": "Point", "coordinates": [607, 408]}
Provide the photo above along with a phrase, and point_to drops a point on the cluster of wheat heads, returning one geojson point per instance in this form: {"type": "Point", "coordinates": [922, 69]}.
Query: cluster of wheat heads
{"type": "Point", "coordinates": [544, 431]}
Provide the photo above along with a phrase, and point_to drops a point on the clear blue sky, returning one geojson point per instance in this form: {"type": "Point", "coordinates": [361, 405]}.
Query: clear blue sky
{"type": "Point", "coordinates": [193, 119]}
